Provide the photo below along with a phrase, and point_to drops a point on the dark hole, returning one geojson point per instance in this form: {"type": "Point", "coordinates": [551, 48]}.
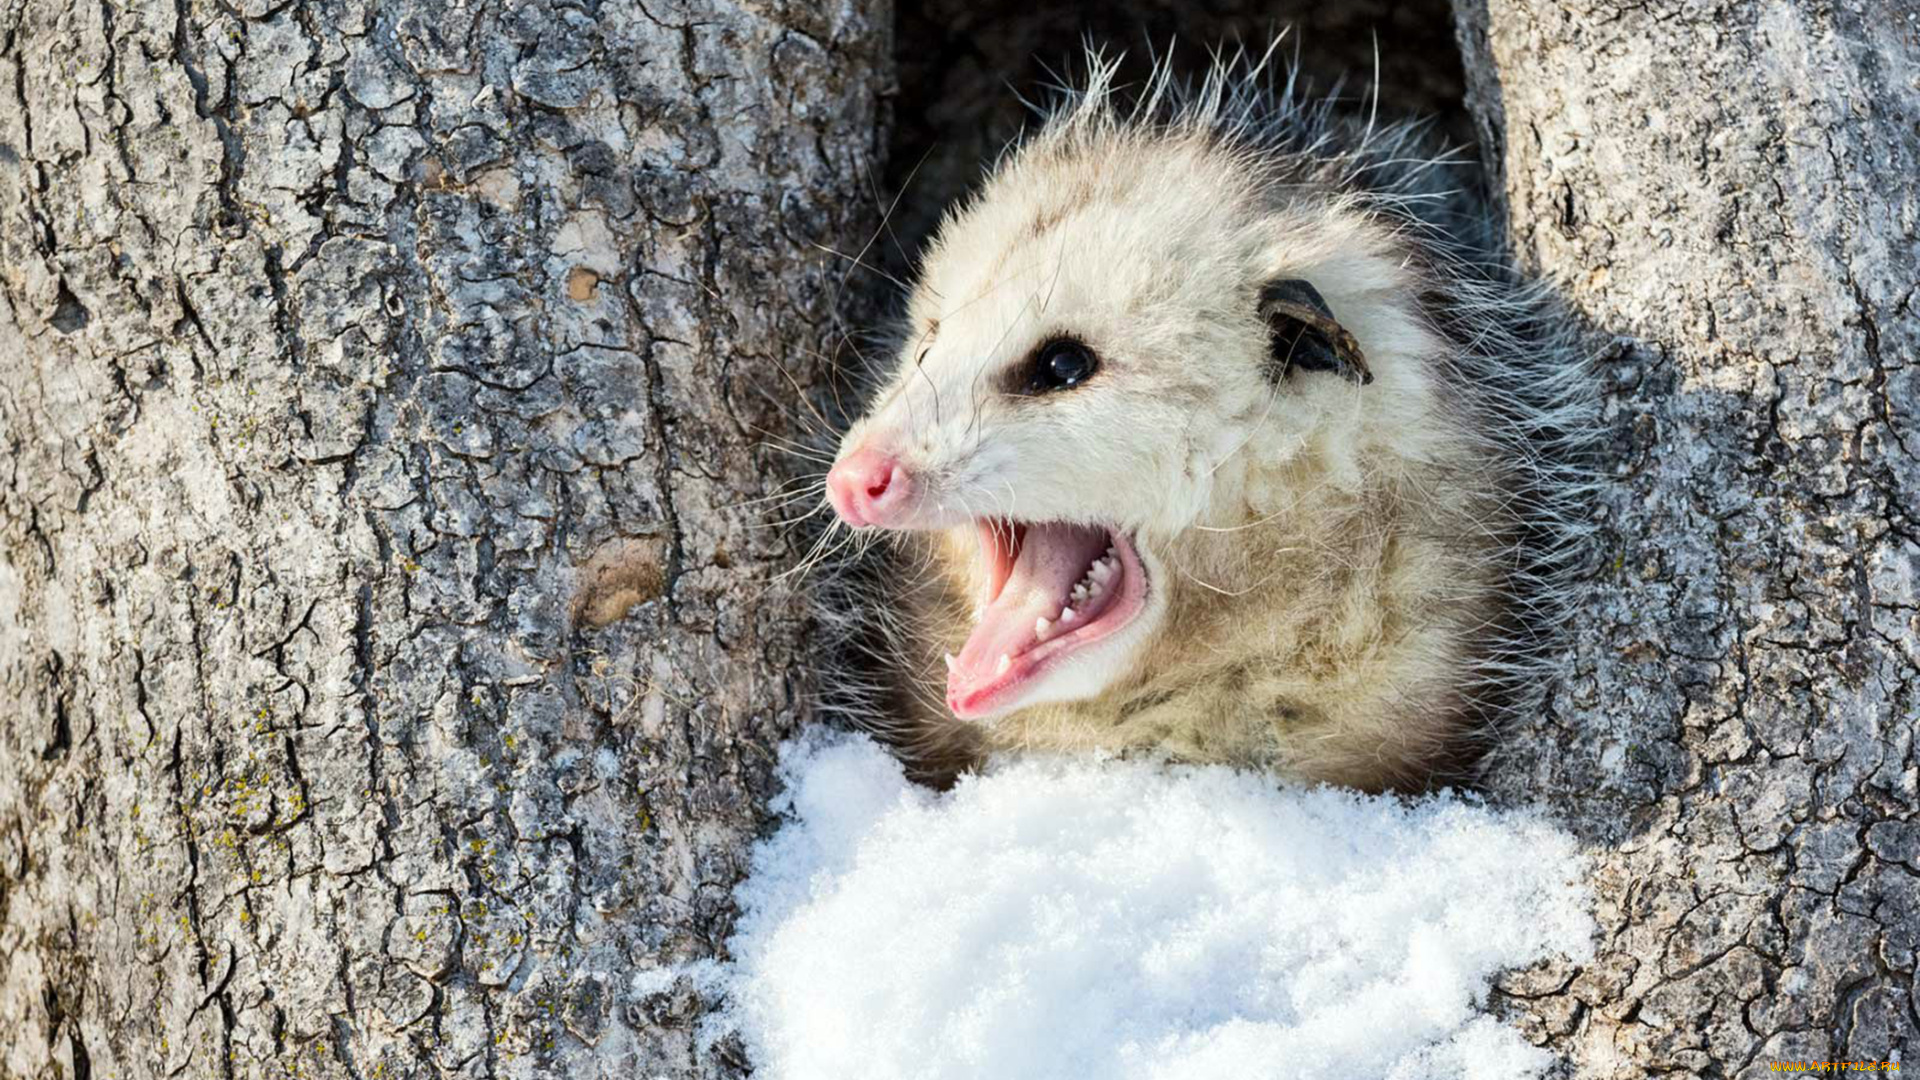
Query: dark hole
{"type": "Point", "coordinates": [963, 64]}
{"type": "Point", "coordinates": [69, 314]}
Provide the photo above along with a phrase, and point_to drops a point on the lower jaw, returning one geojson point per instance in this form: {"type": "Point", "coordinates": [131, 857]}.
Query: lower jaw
{"type": "Point", "coordinates": [997, 701]}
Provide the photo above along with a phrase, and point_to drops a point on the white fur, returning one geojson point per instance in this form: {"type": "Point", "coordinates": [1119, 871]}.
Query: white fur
{"type": "Point", "coordinates": [1148, 235]}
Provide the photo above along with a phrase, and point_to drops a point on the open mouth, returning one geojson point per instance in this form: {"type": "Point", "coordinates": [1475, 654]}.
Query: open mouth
{"type": "Point", "coordinates": [1052, 591]}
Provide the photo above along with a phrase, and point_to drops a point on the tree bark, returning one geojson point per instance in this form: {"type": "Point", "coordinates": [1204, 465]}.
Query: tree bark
{"type": "Point", "coordinates": [390, 658]}
{"type": "Point", "coordinates": [1733, 190]}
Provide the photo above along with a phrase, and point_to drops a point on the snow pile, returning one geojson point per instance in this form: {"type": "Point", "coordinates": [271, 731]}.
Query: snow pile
{"type": "Point", "coordinates": [1083, 918]}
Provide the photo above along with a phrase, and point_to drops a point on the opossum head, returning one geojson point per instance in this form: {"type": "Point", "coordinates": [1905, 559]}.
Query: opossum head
{"type": "Point", "coordinates": [1131, 351]}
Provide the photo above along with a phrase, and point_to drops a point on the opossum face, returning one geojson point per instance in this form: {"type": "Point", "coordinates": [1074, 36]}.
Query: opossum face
{"type": "Point", "coordinates": [1099, 347]}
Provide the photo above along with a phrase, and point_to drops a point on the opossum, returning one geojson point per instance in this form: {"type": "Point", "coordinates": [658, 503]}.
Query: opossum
{"type": "Point", "coordinates": [1220, 430]}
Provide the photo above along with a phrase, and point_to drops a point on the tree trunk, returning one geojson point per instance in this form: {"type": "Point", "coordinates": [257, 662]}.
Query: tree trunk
{"type": "Point", "coordinates": [390, 659]}
{"type": "Point", "coordinates": [1732, 189]}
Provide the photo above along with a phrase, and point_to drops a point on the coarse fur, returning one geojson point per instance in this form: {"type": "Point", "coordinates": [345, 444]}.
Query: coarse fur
{"type": "Point", "coordinates": [1348, 582]}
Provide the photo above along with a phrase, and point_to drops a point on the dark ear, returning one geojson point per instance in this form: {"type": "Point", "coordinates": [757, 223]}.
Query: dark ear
{"type": "Point", "coordinates": [1303, 336]}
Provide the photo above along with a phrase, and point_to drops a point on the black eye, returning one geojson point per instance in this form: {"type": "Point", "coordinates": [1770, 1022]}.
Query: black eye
{"type": "Point", "coordinates": [1061, 364]}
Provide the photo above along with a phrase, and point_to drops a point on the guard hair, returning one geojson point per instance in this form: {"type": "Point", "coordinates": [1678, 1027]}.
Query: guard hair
{"type": "Point", "coordinates": [1235, 386]}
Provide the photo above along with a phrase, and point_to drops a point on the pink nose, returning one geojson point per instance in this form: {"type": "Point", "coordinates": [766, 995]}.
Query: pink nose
{"type": "Point", "coordinates": [868, 487]}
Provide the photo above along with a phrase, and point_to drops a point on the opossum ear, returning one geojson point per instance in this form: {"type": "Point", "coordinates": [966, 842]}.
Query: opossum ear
{"type": "Point", "coordinates": [1302, 334]}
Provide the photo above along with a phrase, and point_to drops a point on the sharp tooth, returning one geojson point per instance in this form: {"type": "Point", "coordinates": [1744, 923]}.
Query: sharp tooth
{"type": "Point", "coordinates": [1110, 553]}
{"type": "Point", "coordinates": [1066, 613]}
{"type": "Point", "coordinates": [1005, 663]}
{"type": "Point", "coordinates": [951, 663]}
{"type": "Point", "coordinates": [1079, 592]}
{"type": "Point", "coordinates": [1041, 626]}
{"type": "Point", "coordinates": [1101, 572]}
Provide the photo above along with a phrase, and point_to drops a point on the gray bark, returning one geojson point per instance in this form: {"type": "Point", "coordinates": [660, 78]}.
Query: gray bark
{"type": "Point", "coordinates": [390, 659]}
{"type": "Point", "coordinates": [1734, 190]}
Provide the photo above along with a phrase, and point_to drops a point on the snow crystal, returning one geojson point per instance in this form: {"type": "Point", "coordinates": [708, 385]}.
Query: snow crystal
{"type": "Point", "coordinates": [1087, 918]}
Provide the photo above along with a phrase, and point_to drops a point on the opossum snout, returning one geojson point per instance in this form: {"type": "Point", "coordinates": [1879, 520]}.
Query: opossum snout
{"type": "Point", "coordinates": [868, 487]}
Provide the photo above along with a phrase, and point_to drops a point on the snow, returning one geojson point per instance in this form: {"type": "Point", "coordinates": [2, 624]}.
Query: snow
{"type": "Point", "coordinates": [1102, 918]}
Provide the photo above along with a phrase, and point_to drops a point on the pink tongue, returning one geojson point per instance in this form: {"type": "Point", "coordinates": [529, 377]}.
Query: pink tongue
{"type": "Point", "coordinates": [1052, 558]}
